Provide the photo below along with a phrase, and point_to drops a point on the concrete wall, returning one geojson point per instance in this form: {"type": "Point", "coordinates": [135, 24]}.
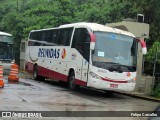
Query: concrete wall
{"type": "Point", "coordinates": [138, 29]}
{"type": "Point", "coordinates": [147, 84]}
{"type": "Point", "coordinates": [22, 54]}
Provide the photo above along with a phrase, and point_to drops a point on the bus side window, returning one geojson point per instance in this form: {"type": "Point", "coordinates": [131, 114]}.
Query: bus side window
{"type": "Point", "coordinates": [43, 38]}
{"type": "Point", "coordinates": [54, 36]}
{"type": "Point", "coordinates": [65, 36]}
{"type": "Point", "coordinates": [37, 37]}
{"type": "Point", "coordinates": [48, 35]}
{"type": "Point", "coordinates": [80, 39]}
{"type": "Point", "coordinates": [86, 46]}
{"type": "Point", "coordinates": [75, 40]}
{"type": "Point", "coordinates": [31, 36]}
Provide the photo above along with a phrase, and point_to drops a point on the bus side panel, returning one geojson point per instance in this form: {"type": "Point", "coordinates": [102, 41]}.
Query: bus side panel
{"type": "Point", "coordinates": [58, 66]}
{"type": "Point", "coordinates": [55, 62]}
{"type": "Point", "coordinates": [51, 61]}
{"type": "Point", "coordinates": [28, 63]}
{"type": "Point", "coordinates": [52, 74]}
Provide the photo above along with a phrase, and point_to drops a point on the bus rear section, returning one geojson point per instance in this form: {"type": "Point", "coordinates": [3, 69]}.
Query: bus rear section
{"type": "Point", "coordinates": [48, 53]}
{"type": "Point", "coordinates": [6, 50]}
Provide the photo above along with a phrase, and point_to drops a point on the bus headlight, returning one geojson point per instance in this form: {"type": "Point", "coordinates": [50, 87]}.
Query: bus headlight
{"type": "Point", "coordinates": [93, 75]}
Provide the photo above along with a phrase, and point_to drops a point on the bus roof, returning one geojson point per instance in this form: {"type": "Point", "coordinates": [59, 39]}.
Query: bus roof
{"type": "Point", "coordinates": [93, 27]}
{"type": "Point", "coordinates": [3, 33]}
{"type": "Point", "coordinates": [97, 27]}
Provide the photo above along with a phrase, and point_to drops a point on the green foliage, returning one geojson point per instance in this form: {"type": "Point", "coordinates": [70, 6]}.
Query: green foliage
{"type": "Point", "coordinates": [36, 14]}
{"type": "Point", "coordinates": [152, 51]}
{"type": "Point", "coordinates": [19, 17]}
{"type": "Point", "coordinates": [156, 92]}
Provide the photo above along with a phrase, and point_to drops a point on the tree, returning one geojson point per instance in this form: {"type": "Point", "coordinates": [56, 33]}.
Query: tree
{"type": "Point", "coordinates": [37, 14]}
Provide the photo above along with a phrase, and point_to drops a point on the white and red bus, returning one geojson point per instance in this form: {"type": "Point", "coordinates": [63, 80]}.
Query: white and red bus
{"type": "Point", "coordinates": [84, 54]}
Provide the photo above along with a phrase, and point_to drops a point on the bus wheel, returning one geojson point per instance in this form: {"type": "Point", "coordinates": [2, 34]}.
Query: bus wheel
{"type": "Point", "coordinates": [35, 72]}
{"type": "Point", "coordinates": [72, 85]}
{"type": "Point", "coordinates": [109, 93]}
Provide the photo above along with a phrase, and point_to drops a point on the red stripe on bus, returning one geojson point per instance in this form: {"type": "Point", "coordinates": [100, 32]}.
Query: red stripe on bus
{"type": "Point", "coordinates": [115, 81]}
{"type": "Point", "coordinates": [52, 74]}
{"type": "Point", "coordinates": [80, 82]}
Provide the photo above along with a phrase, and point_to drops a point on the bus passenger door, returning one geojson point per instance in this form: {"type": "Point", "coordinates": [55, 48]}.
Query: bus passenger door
{"type": "Point", "coordinates": [84, 71]}
{"type": "Point", "coordinates": [86, 54]}
{"type": "Point", "coordinates": [80, 55]}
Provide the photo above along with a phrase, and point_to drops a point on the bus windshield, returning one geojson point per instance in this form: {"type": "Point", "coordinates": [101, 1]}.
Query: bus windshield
{"type": "Point", "coordinates": [6, 48]}
{"type": "Point", "coordinates": [117, 49]}
{"type": "Point", "coordinates": [8, 39]}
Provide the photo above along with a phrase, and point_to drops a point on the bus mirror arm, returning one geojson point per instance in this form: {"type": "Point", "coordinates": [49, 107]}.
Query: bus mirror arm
{"type": "Point", "coordinates": [92, 41]}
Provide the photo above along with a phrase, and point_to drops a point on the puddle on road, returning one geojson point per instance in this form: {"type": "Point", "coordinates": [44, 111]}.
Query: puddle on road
{"type": "Point", "coordinates": [25, 84]}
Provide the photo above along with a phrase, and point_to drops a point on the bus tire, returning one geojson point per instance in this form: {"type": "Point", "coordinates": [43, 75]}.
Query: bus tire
{"type": "Point", "coordinates": [72, 85]}
{"type": "Point", "coordinates": [109, 93]}
{"type": "Point", "coordinates": [35, 74]}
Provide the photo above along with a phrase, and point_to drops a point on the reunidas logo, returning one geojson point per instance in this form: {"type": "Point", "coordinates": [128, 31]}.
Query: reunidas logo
{"type": "Point", "coordinates": [63, 54]}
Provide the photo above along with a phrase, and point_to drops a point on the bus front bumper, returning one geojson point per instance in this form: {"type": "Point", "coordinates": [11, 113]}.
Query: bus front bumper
{"type": "Point", "coordinates": [105, 85]}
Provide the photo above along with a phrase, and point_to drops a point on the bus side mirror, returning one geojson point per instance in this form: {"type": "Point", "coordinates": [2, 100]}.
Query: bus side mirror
{"type": "Point", "coordinates": [143, 46]}
{"type": "Point", "coordinates": [92, 40]}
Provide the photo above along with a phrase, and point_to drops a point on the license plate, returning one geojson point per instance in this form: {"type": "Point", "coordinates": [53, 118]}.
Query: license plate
{"type": "Point", "coordinates": [114, 85]}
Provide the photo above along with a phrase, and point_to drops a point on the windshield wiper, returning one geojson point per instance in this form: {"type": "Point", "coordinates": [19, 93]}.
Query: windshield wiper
{"type": "Point", "coordinates": [119, 65]}
{"type": "Point", "coordinates": [111, 69]}
{"type": "Point", "coordinates": [111, 66]}
{"type": "Point", "coordinates": [102, 64]}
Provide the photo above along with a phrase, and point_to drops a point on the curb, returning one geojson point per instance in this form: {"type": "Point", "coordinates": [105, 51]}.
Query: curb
{"type": "Point", "coordinates": [140, 96]}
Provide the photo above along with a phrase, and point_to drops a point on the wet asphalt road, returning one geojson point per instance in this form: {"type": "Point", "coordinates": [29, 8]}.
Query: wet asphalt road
{"type": "Point", "coordinates": [31, 95]}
